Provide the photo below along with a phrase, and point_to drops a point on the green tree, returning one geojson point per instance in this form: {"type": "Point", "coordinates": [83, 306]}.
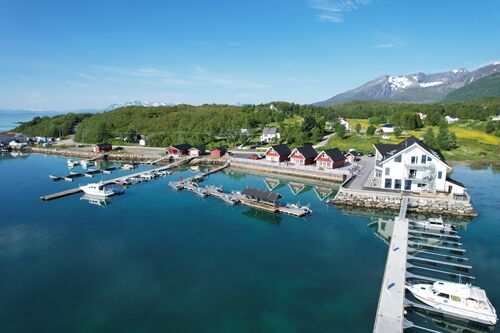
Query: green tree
{"type": "Point", "coordinates": [430, 138]}
{"type": "Point", "coordinates": [398, 131]}
{"type": "Point", "coordinates": [489, 127]}
{"type": "Point", "coordinates": [358, 128]}
{"type": "Point", "coordinates": [370, 130]}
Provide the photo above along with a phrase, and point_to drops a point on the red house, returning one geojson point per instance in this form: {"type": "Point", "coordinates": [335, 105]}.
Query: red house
{"type": "Point", "coordinates": [98, 148]}
{"type": "Point", "coordinates": [278, 153]}
{"type": "Point", "coordinates": [181, 149]}
{"type": "Point", "coordinates": [303, 155]}
{"type": "Point", "coordinates": [218, 152]}
{"type": "Point", "coordinates": [330, 159]}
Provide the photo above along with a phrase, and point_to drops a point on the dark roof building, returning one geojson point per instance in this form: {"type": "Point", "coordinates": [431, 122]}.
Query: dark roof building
{"type": "Point", "coordinates": [262, 195]}
{"type": "Point", "coordinates": [307, 151]}
{"type": "Point", "coordinates": [389, 150]}
{"type": "Point", "coordinates": [335, 154]}
{"type": "Point", "coordinates": [282, 150]}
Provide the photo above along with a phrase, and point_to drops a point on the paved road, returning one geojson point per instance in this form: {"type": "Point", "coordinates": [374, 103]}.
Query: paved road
{"type": "Point", "coordinates": [324, 141]}
{"type": "Point", "coordinates": [367, 164]}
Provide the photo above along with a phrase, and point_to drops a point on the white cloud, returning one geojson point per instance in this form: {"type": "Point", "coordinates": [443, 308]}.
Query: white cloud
{"type": "Point", "coordinates": [387, 45]}
{"type": "Point", "coordinates": [333, 10]}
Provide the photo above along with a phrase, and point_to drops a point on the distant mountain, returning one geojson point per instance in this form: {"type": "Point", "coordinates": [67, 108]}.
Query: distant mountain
{"type": "Point", "coordinates": [486, 87]}
{"type": "Point", "coordinates": [416, 87]}
{"type": "Point", "coordinates": [137, 103]}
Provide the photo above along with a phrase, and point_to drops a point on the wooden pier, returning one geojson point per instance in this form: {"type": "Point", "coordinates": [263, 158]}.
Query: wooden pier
{"type": "Point", "coordinates": [114, 180]}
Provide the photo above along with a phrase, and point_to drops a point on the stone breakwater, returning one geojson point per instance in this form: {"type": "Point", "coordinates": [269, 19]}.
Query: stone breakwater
{"type": "Point", "coordinates": [392, 201]}
{"type": "Point", "coordinates": [90, 155]}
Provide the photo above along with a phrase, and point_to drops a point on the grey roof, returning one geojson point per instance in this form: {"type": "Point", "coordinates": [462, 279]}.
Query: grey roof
{"type": "Point", "coordinates": [335, 154]}
{"type": "Point", "coordinates": [270, 130]}
{"type": "Point", "coordinates": [389, 150]}
{"type": "Point", "coordinates": [308, 151]}
{"type": "Point", "coordinates": [282, 150]}
{"type": "Point", "coordinates": [264, 195]}
{"type": "Point", "coordinates": [182, 146]}
{"type": "Point", "coordinates": [387, 125]}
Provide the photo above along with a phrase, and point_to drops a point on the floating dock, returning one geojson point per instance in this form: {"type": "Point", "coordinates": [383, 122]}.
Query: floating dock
{"type": "Point", "coordinates": [114, 180]}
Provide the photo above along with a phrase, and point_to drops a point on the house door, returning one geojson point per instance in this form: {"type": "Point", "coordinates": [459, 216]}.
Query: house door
{"type": "Point", "coordinates": [450, 188]}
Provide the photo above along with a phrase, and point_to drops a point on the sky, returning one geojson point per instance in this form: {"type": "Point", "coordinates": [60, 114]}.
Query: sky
{"type": "Point", "coordinates": [82, 54]}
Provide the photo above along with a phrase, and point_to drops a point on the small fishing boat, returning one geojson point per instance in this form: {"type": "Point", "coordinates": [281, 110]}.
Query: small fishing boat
{"type": "Point", "coordinates": [435, 223]}
{"type": "Point", "coordinates": [128, 166]}
{"type": "Point", "coordinates": [72, 163]}
{"type": "Point", "coordinates": [97, 189]}
{"type": "Point", "coordinates": [176, 185]}
{"type": "Point", "coordinates": [214, 188]}
{"type": "Point", "coordinates": [305, 209]}
{"type": "Point", "coordinates": [455, 299]}
{"type": "Point", "coordinates": [147, 176]}
{"type": "Point", "coordinates": [227, 198]}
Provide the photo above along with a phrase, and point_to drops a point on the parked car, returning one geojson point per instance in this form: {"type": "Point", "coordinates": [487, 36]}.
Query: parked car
{"type": "Point", "coordinates": [370, 155]}
{"type": "Point", "coordinates": [118, 148]}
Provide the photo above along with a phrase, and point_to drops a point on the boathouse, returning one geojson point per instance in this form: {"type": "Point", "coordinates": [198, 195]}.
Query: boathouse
{"type": "Point", "coordinates": [180, 149]}
{"type": "Point", "coordinates": [262, 196]}
{"type": "Point", "coordinates": [303, 155]}
{"type": "Point", "coordinates": [196, 151]}
{"type": "Point", "coordinates": [219, 151]}
{"type": "Point", "coordinates": [100, 147]}
{"type": "Point", "coordinates": [330, 159]}
{"type": "Point", "coordinates": [278, 153]}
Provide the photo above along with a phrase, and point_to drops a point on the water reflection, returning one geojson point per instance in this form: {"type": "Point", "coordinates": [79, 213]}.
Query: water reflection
{"type": "Point", "coordinates": [97, 201]}
{"type": "Point", "coordinates": [263, 216]}
{"type": "Point", "coordinates": [449, 324]}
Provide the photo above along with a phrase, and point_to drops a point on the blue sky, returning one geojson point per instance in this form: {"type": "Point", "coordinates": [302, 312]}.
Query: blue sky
{"type": "Point", "coordinates": [60, 55]}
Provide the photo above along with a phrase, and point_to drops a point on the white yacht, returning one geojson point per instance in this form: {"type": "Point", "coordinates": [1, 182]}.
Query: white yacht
{"type": "Point", "coordinates": [455, 299]}
{"type": "Point", "coordinates": [306, 209]}
{"type": "Point", "coordinates": [72, 163]}
{"type": "Point", "coordinates": [435, 223]}
{"type": "Point", "coordinates": [97, 189]}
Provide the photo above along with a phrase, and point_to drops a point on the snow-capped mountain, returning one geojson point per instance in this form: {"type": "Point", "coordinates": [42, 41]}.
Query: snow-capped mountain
{"type": "Point", "coordinates": [415, 87]}
{"type": "Point", "coordinates": [137, 103]}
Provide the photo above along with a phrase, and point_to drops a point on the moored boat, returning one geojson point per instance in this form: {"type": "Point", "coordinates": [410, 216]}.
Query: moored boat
{"type": "Point", "coordinates": [72, 163]}
{"type": "Point", "coordinates": [230, 199]}
{"type": "Point", "coordinates": [97, 189]}
{"type": "Point", "coordinates": [462, 301]}
{"type": "Point", "coordinates": [436, 224]}
{"type": "Point", "coordinates": [306, 209]}
{"type": "Point", "coordinates": [176, 185]}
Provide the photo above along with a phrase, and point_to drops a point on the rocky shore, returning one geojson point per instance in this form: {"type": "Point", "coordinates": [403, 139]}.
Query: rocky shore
{"type": "Point", "coordinates": [392, 201]}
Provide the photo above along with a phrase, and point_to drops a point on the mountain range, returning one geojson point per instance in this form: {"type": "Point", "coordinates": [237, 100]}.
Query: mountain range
{"type": "Point", "coordinates": [415, 87]}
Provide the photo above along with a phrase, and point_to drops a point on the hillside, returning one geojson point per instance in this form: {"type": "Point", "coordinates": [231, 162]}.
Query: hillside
{"type": "Point", "coordinates": [486, 87]}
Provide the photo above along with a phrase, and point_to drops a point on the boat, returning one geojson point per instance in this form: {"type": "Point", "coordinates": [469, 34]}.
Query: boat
{"type": "Point", "coordinates": [435, 223]}
{"type": "Point", "coordinates": [176, 185]}
{"type": "Point", "coordinates": [306, 209]}
{"type": "Point", "coordinates": [227, 198]}
{"type": "Point", "coordinates": [214, 188]}
{"type": "Point", "coordinates": [86, 163]}
{"type": "Point", "coordinates": [97, 189]}
{"type": "Point", "coordinates": [459, 300]}
{"type": "Point", "coordinates": [147, 176]}
{"type": "Point", "coordinates": [128, 166]}
{"type": "Point", "coordinates": [199, 191]}
{"type": "Point", "coordinates": [72, 163]}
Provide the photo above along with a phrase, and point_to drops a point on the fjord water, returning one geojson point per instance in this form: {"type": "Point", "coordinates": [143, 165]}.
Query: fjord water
{"type": "Point", "coordinates": [158, 260]}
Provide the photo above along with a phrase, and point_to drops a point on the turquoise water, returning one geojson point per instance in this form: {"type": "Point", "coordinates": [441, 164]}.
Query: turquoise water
{"type": "Point", "coordinates": [159, 260]}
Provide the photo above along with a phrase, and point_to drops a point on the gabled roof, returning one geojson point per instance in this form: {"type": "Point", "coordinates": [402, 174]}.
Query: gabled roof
{"type": "Point", "coordinates": [387, 125]}
{"type": "Point", "coordinates": [282, 150]}
{"type": "Point", "coordinates": [335, 154]}
{"type": "Point", "coordinates": [269, 130]}
{"type": "Point", "coordinates": [265, 195]}
{"type": "Point", "coordinates": [389, 150]}
{"type": "Point", "coordinates": [306, 151]}
{"type": "Point", "coordinates": [182, 146]}
{"type": "Point", "coordinates": [200, 148]}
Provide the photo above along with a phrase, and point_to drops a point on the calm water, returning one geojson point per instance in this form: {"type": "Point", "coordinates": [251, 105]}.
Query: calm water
{"type": "Point", "coordinates": [157, 260]}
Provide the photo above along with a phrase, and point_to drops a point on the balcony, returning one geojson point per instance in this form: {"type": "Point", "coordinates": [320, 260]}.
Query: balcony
{"type": "Point", "coordinates": [428, 166]}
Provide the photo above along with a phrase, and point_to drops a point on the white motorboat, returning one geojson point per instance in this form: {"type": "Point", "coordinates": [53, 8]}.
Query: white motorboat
{"type": "Point", "coordinates": [306, 209]}
{"type": "Point", "coordinates": [200, 191]}
{"type": "Point", "coordinates": [128, 166]}
{"type": "Point", "coordinates": [214, 188]}
{"type": "Point", "coordinates": [86, 163]}
{"type": "Point", "coordinates": [455, 299]}
{"type": "Point", "coordinates": [227, 198]}
{"type": "Point", "coordinates": [72, 163]}
{"type": "Point", "coordinates": [147, 176]}
{"type": "Point", "coordinates": [176, 185]}
{"type": "Point", "coordinates": [435, 223]}
{"type": "Point", "coordinates": [97, 189]}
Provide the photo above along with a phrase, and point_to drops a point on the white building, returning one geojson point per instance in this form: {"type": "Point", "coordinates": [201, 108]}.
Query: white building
{"type": "Point", "coordinates": [421, 115]}
{"type": "Point", "coordinates": [412, 166]}
{"type": "Point", "coordinates": [387, 128]}
{"type": "Point", "coordinates": [344, 123]}
{"type": "Point", "coordinates": [450, 120]}
{"type": "Point", "coordinates": [273, 107]}
{"type": "Point", "coordinates": [142, 142]}
{"type": "Point", "coordinates": [245, 132]}
{"type": "Point", "coordinates": [269, 134]}
{"type": "Point", "coordinates": [496, 118]}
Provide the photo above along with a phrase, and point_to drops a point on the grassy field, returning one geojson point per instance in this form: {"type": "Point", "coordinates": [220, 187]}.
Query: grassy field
{"type": "Point", "coordinates": [473, 144]}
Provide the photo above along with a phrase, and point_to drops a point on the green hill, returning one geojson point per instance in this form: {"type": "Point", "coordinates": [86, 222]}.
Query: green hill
{"type": "Point", "coordinates": [486, 87]}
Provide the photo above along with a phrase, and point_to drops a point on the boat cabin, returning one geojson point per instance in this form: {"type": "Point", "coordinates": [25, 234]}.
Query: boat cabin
{"type": "Point", "coordinates": [330, 159]}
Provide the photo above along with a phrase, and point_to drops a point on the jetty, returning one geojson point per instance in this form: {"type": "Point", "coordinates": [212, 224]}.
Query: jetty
{"type": "Point", "coordinates": [417, 253]}
{"type": "Point", "coordinates": [89, 174]}
{"type": "Point", "coordinates": [65, 193]}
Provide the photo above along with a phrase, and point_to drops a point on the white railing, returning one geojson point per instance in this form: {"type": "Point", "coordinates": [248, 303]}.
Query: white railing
{"type": "Point", "coordinates": [292, 167]}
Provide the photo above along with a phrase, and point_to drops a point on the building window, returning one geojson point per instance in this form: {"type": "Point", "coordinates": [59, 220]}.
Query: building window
{"type": "Point", "coordinates": [429, 158]}
{"type": "Point", "coordinates": [412, 174]}
{"type": "Point", "coordinates": [388, 183]}
{"type": "Point", "coordinates": [397, 184]}
{"type": "Point", "coordinates": [398, 158]}
{"type": "Point", "coordinates": [407, 185]}
{"type": "Point", "coordinates": [387, 171]}
{"type": "Point", "coordinates": [414, 160]}
{"type": "Point", "coordinates": [424, 159]}
{"type": "Point", "coordinates": [440, 174]}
